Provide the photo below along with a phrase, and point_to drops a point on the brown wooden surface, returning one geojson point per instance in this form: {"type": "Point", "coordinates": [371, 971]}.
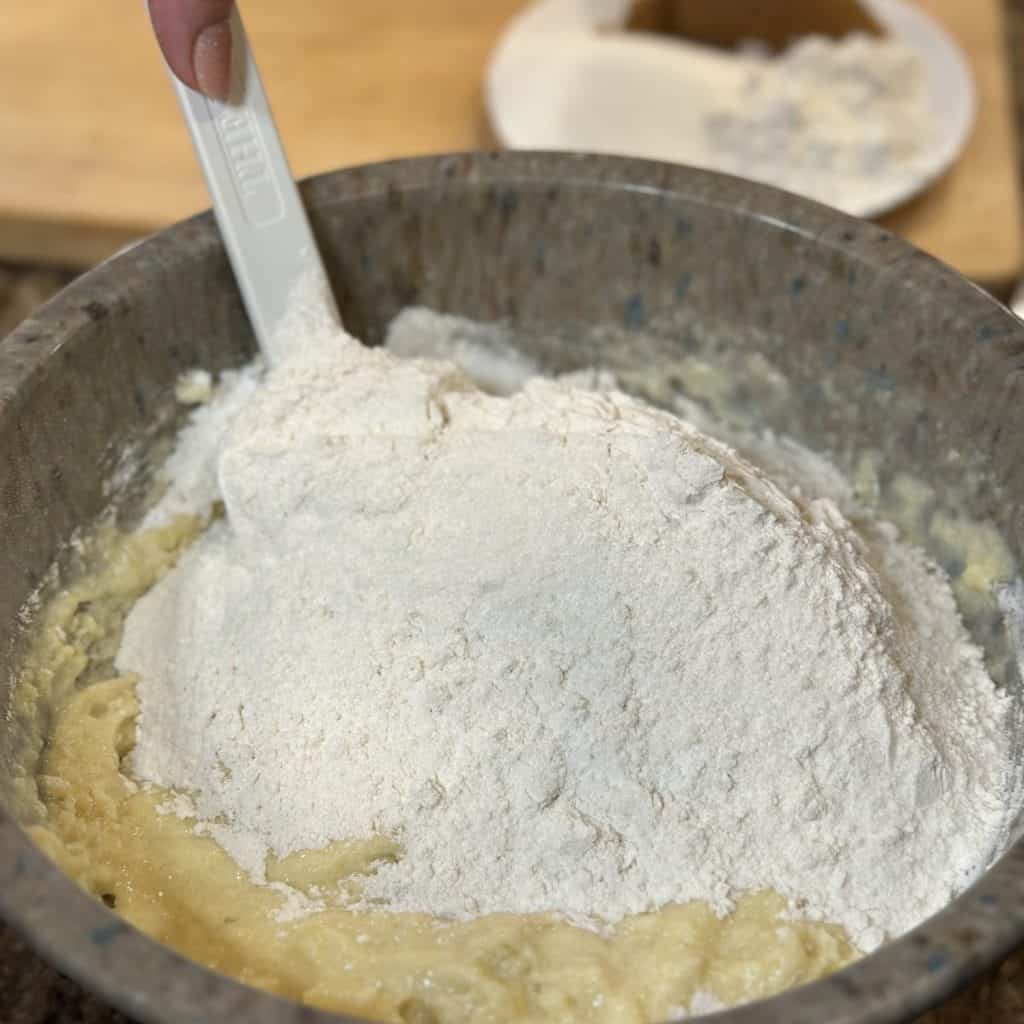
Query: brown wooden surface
{"type": "Point", "coordinates": [775, 22]}
{"type": "Point", "coordinates": [972, 217]}
{"type": "Point", "coordinates": [94, 145]}
{"type": "Point", "coordinates": [94, 152]}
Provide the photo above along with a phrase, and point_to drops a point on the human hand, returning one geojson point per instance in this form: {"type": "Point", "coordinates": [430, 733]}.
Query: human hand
{"type": "Point", "coordinates": [195, 38]}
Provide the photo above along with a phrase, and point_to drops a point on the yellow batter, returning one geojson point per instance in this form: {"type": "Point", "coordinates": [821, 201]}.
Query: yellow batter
{"type": "Point", "coordinates": [181, 888]}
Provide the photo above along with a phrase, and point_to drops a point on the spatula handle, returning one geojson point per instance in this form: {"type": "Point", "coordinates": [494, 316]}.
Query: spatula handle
{"type": "Point", "coordinates": [261, 216]}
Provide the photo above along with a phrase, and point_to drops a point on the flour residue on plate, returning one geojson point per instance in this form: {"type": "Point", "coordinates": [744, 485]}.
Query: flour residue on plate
{"type": "Point", "coordinates": [860, 123]}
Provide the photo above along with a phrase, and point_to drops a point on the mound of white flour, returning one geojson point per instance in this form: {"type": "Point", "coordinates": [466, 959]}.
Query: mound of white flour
{"type": "Point", "coordinates": [573, 654]}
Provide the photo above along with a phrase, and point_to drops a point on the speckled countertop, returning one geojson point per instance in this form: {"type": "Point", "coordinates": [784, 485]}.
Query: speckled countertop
{"type": "Point", "coordinates": [32, 993]}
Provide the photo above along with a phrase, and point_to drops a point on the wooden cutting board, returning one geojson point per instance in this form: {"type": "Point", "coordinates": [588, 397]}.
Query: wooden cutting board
{"type": "Point", "coordinates": [94, 155]}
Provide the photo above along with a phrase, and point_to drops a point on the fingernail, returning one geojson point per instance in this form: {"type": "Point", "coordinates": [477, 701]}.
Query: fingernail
{"type": "Point", "coordinates": [211, 61]}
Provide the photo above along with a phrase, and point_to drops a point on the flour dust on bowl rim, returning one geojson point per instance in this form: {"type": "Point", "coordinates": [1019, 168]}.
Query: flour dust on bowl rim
{"type": "Point", "coordinates": [600, 261]}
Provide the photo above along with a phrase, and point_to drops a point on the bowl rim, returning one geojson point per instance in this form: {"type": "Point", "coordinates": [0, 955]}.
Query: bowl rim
{"type": "Point", "coordinates": [151, 982]}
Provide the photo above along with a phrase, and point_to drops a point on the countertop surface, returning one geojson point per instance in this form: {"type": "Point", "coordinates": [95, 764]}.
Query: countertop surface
{"type": "Point", "coordinates": [76, 185]}
{"type": "Point", "coordinates": [33, 993]}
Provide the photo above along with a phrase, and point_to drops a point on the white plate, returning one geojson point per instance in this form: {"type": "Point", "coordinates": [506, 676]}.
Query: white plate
{"type": "Point", "coordinates": [532, 69]}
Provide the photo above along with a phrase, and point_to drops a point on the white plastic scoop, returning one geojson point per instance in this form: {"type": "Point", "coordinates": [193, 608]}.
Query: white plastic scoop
{"type": "Point", "coordinates": [257, 205]}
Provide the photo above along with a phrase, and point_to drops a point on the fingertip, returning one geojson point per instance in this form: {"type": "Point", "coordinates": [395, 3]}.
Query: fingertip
{"type": "Point", "coordinates": [179, 26]}
{"type": "Point", "coordinates": [211, 61]}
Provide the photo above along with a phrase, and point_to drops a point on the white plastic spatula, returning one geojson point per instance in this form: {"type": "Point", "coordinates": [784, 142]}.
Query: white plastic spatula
{"type": "Point", "coordinates": [258, 208]}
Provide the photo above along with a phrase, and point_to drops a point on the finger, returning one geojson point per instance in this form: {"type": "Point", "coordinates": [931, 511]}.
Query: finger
{"type": "Point", "coordinates": [195, 38]}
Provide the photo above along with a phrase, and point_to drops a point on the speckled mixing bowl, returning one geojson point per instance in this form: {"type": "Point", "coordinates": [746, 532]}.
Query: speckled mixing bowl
{"type": "Point", "coordinates": [881, 348]}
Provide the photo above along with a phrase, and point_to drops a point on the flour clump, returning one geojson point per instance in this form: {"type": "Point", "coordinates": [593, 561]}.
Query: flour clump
{"type": "Point", "coordinates": [573, 655]}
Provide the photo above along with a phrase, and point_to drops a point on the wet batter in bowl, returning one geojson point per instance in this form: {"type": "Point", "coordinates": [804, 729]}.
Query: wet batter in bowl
{"type": "Point", "coordinates": [440, 705]}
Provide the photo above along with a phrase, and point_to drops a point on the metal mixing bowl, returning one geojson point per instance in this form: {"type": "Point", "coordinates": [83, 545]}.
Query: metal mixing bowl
{"type": "Point", "coordinates": [882, 348]}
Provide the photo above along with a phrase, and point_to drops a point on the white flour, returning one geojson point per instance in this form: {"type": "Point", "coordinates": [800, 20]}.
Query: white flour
{"type": "Point", "coordinates": [845, 122]}
{"type": "Point", "coordinates": [574, 655]}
